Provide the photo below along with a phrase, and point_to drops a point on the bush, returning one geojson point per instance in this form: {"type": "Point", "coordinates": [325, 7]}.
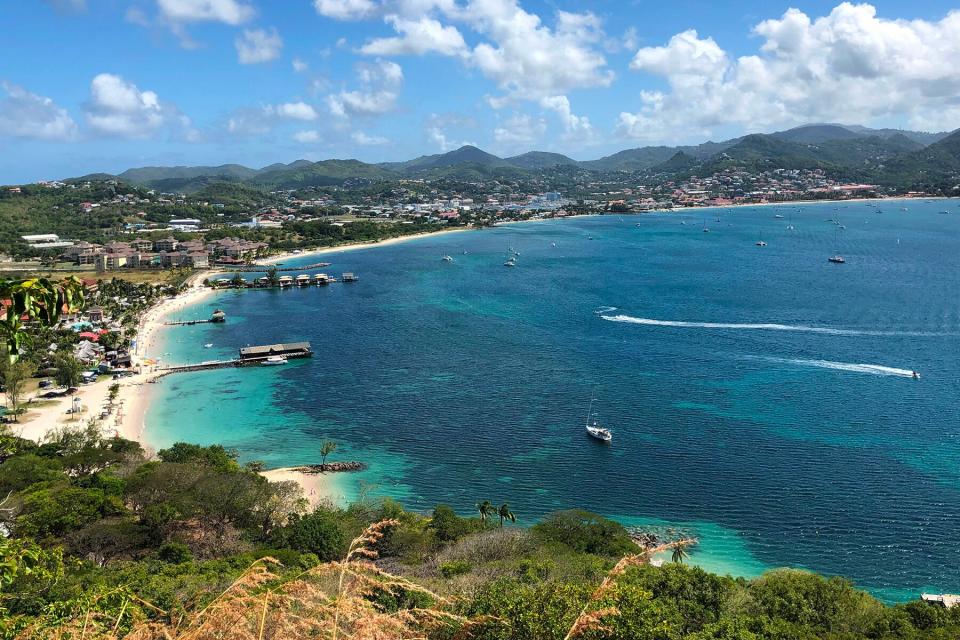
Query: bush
{"type": "Point", "coordinates": [318, 533]}
{"type": "Point", "coordinates": [175, 553]}
{"type": "Point", "coordinates": [586, 532]}
{"type": "Point", "coordinates": [449, 527]}
{"type": "Point", "coordinates": [455, 568]}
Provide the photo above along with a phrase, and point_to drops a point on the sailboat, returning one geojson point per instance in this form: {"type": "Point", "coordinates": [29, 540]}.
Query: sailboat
{"type": "Point", "coordinates": [706, 229]}
{"type": "Point", "coordinates": [837, 259]}
{"type": "Point", "coordinates": [594, 430]}
{"type": "Point", "coordinates": [760, 242]}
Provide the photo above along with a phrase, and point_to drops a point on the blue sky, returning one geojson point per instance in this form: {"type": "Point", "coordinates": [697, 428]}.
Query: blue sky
{"type": "Point", "coordinates": [104, 85]}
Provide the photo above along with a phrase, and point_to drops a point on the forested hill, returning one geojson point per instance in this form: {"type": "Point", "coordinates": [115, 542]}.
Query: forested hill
{"type": "Point", "coordinates": [890, 157]}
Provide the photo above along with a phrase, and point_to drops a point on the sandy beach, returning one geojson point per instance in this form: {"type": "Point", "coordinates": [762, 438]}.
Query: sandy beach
{"type": "Point", "coordinates": [318, 488]}
{"type": "Point", "coordinates": [358, 245]}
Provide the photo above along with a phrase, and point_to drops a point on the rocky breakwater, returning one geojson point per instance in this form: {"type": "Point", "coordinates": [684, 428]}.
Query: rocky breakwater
{"type": "Point", "coordinates": [331, 467]}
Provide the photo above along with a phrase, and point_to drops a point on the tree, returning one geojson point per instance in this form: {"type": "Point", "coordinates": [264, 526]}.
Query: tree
{"type": "Point", "coordinates": [15, 379]}
{"type": "Point", "coordinates": [272, 276]}
{"type": "Point", "coordinates": [679, 553]}
{"type": "Point", "coordinates": [328, 447]}
{"type": "Point", "coordinates": [505, 513]}
{"type": "Point", "coordinates": [38, 299]}
{"type": "Point", "coordinates": [68, 369]}
{"type": "Point", "coordinates": [485, 508]}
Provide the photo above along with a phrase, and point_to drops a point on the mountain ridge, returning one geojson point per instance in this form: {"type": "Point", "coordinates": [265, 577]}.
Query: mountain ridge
{"type": "Point", "coordinates": [854, 149]}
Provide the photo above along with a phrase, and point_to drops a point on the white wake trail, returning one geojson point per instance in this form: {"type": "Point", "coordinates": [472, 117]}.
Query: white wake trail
{"type": "Point", "coordinates": [755, 326]}
{"type": "Point", "coordinates": [872, 369]}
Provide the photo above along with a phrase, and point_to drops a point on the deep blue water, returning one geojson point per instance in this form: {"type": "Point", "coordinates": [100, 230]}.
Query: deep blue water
{"type": "Point", "coordinates": [465, 381]}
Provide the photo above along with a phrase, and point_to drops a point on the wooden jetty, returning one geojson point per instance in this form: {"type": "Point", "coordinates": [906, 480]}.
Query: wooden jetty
{"type": "Point", "coordinates": [217, 317]}
{"type": "Point", "coordinates": [247, 356]}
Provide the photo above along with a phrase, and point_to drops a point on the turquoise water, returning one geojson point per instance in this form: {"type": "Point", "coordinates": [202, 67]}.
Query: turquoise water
{"type": "Point", "coordinates": [760, 397]}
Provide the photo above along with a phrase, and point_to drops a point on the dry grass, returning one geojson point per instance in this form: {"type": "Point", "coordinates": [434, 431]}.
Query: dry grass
{"type": "Point", "coordinates": [329, 601]}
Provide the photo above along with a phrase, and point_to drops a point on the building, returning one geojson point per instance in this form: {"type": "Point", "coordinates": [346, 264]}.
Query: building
{"type": "Point", "coordinates": [46, 241]}
{"type": "Point", "coordinates": [290, 350]}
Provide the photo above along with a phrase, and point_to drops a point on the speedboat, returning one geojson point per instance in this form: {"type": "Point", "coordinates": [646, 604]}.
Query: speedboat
{"type": "Point", "coordinates": [273, 361]}
{"type": "Point", "coordinates": [778, 216]}
{"type": "Point", "coordinates": [208, 345]}
{"type": "Point", "coordinates": [510, 263]}
{"type": "Point", "coordinates": [447, 258]}
{"type": "Point", "coordinates": [761, 243]}
{"type": "Point", "coordinates": [836, 259]}
{"type": "Point", "coordinates": [916, 375]}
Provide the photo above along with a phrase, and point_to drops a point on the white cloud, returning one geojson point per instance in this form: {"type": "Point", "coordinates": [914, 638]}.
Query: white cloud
{"type": "Point", "coordinates": [417, 37]}
{"type": "Point", "coordinates": [573, 125]}
{"type": "Point", "coordinates": [367, 140]}
{"type": "Point", "coordinates": [294, 111]}
{"type": "Point", "coordinates": [848, 66]}
{"type": "Point", "coordinates": [232, 12]}
{"type": "Point", "coordinates": [526, 58]}
{"type": "Point", "coordinates": [346, 9]}
{"type": "Point", "coordinates": [380, 82]}
{"type": "Point", "coordinates": [519, 129]}
{"type": "Point", "coordinates": [248, 121]}
{"type": "Point", "coordinates": [27, 115]}
{"type": "Point", "coordinates": [306, 137]}
{"type": "Point", "coordinates": [118, 108]}
{"type": "Point", "coordinates": [436, 130]}
{"type": "Point", "coordinates": [299, 65]}
{"type": "Point", "coordinates": [258, 45]}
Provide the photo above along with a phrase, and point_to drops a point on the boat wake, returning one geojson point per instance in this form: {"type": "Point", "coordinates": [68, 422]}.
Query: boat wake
{"type": "Point", "coordinates": [756, 326]}
{"type": "Point", "coordinates": [603, 310]}
{"type": "Point", "coordinates": [872, 369]}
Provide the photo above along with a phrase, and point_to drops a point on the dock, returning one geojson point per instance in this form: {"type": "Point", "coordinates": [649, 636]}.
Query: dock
{"type": "Point", "coordinates": [247, 356]}
{"type": "Point", "coordinates": [218, 316]}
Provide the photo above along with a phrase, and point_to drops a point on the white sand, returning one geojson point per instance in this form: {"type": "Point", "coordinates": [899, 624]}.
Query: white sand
{"type": "Point", "coordinates": [358, 245]}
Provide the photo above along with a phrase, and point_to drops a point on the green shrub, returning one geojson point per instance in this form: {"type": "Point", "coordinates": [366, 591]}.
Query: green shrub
{"type": "Point", "coordinates": [586, 532]}
{"type": "Point", "coordinates": [175, 553]}
{"type": "Point", "coordinates": [455, 568]}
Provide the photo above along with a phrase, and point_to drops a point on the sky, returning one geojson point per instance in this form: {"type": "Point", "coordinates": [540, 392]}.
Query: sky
{"type": "Point", "coordinates": [105, 85]}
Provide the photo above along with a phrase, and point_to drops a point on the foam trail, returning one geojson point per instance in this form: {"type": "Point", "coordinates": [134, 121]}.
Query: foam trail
{"type": "Point", "coordinates": [603, 310]}
{"type": "Point", "coordinates": [759, 326]}
{"type": "Point", "coordinates": [873, 369]}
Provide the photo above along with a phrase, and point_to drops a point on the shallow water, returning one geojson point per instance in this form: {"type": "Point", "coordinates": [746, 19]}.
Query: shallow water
{"type": "Point", "coordinates": [760, 397]}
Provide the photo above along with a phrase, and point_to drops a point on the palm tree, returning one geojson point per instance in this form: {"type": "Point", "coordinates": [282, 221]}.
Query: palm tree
{"type": "Point", "coordinates": [328, 447]}
{"type": "Point", "coordinates": [505, 514]}
{"type": "Point", "coordinates": [485, 508]}
{"type": "Point", "coordinates": [679, 553]}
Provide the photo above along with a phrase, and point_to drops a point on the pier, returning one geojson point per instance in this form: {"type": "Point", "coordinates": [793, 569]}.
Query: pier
{"type": "Point", "coordinates": [217, 317]}
{"type": "Point", "coordinates": [247, 356]}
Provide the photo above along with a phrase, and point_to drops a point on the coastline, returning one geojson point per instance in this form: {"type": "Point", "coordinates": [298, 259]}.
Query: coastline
{"type": "Point", "coordinates": [353, 246]}
{"type": "Point", "coordinates": [318, 488]}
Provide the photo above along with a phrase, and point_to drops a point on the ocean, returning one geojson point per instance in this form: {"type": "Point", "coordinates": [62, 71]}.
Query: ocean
{"type": "Point", "coordinates": [761, 398]}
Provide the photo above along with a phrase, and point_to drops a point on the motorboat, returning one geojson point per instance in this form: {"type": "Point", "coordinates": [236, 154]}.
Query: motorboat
{"type": "Point", "coordinates": [836, 259]}
{"type": "Point", "coordinates": [273, 361]}
{"type": "Point", "coordinates": [447, 258]}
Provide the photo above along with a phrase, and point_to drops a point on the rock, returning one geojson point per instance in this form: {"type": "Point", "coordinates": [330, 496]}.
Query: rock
{"type": "Point", "coordinates": [331, 467]}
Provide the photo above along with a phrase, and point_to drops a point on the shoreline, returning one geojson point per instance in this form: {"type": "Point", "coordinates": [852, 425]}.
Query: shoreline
{"type": "Point", "coordinates": [133, 400]}
{"type": "Point", "coordinates": [353, 246]}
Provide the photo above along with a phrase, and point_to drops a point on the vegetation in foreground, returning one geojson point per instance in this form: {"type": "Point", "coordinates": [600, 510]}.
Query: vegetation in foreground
{"type": "Point", "coordinates": [104, 543]}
